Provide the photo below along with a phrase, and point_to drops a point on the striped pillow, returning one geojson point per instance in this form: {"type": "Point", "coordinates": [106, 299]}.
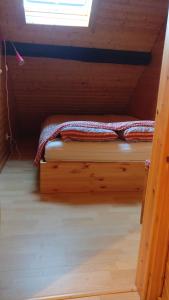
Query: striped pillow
{"type": "Point", "coordinates": [140, 133]}
{"type": "Point", "coordinates": [87, 134]}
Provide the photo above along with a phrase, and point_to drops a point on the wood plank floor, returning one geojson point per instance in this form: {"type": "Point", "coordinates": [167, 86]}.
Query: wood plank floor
{"type": "Point", "coordinates": [83, 243]}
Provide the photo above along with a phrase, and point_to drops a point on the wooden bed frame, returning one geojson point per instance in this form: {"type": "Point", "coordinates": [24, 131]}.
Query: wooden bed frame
{"type": "Point", "coordinates": [92, 177]}
{"type": "Point", "coordinates": [126, 173]}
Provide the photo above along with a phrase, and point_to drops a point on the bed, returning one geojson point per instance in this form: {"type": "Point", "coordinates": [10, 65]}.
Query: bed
{"type": "Point", "coordinates": [93, 166]}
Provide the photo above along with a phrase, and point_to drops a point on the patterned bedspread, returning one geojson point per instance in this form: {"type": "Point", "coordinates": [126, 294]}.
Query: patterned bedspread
{"type": "Point", "coordinates": [52, 130]}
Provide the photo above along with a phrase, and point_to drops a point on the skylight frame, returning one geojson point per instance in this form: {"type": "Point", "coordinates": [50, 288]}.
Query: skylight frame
{"type": "Point", "coordinates": [56, 12]}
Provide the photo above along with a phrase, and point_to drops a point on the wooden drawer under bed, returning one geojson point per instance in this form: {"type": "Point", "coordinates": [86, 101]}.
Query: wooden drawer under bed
{"type": "Point", "coordinates": [92, 177]}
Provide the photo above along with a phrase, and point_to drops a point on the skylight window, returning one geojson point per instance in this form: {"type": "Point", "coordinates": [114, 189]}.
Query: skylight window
{"type": "Point", "coordinates": [58, 12]}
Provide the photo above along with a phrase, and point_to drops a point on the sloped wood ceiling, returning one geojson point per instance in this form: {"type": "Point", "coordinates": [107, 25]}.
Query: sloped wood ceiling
{"type": "Point", "coordinates": [45, 86]}
{"type": "Point", "coordinates": [115, 24]}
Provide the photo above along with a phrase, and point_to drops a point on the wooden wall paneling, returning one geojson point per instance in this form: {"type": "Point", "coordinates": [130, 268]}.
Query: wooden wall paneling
{"type": "Point", "coordinates": [165, 294]}
{"type": "Point", "coordinates": [119, 24]}
{"type": "Point", "coordinates": [12, 107]}
{"type": "Point", "coordinates": [43, 87]}
{"type": "Point", "coordinates": [167, 279]}
{"type": "Point", "coordinates": [4, 144]}
{"type": "Point", "coordinates": [144, 99]}
{"type": "Point", "coordinates": [155, 238]}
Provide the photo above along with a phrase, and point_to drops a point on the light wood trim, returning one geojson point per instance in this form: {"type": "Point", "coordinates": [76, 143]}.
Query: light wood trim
{"type": "Point", "coordinates": [155, 239]}
{"type": "Point", "coordinates": [91, 177]}
{"type": "Point", "coordinates": [82, 295]}
{"type": "Point", "coordinates": [144, 195]}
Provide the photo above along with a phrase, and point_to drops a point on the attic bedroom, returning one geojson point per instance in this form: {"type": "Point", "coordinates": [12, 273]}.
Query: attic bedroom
{"type": "Point", "coordinates": [79, 82]}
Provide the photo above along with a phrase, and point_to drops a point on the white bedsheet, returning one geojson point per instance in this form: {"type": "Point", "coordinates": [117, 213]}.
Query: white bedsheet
{"type": "Point", "coordinates": [97, 151]}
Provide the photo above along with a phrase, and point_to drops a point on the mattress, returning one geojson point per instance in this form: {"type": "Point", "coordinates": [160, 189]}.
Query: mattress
{"type": "Point", "coordinates": [114, 151]}
{"type": "Point", "coordinates": [111, 151]}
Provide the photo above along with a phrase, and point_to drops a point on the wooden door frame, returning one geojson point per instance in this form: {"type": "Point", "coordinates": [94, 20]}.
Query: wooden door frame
{"type": "Point", "coordinates": [154, 243]}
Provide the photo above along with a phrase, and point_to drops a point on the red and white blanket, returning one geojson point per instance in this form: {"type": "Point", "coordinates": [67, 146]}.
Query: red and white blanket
{"type": "Point", "coordinates": [51, 131]}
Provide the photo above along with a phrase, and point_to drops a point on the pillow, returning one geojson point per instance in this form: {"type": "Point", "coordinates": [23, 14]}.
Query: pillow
{"type": "Point", "coordinates": [87, 134]}
{"type": "Point", "coordinates": [139, 133]}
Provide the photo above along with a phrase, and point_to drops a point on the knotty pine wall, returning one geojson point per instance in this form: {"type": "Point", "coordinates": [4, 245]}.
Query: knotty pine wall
{"type": "Point", "coordinates": [47, 86]}
{"type": "Point", "coordinates": [4, 145]}
{"type": "Point", "coordinates": [144, 99]}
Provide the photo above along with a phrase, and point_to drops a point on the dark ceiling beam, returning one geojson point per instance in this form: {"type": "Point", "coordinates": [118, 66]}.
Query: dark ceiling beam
{"type": "Point", "coordinates": [80, 53]}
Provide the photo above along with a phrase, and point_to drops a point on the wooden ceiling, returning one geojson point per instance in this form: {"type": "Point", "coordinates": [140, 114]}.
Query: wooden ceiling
{"type": "Point", "coordinates": [115, 24]}
{"type": "Point", "coordinates": [46, 86]}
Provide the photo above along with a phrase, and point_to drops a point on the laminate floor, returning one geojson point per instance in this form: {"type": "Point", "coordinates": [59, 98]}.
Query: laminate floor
{"type": "Point", "coordinates": [63, 244]}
